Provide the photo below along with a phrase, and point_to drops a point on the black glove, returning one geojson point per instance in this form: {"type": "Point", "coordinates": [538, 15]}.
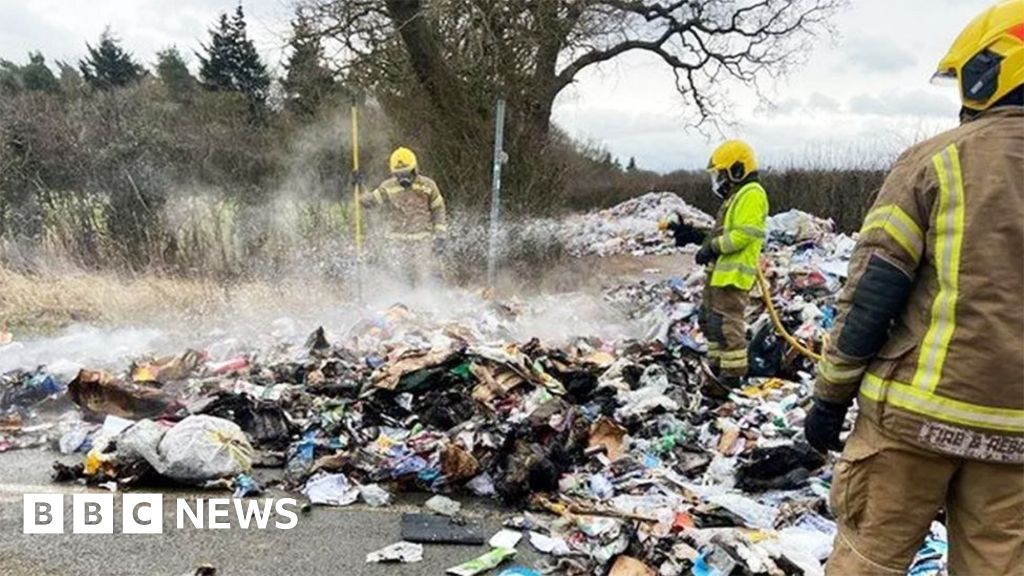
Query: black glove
{"type": "Point", "coordinates": [357, 177]}
{"type": "Point", "coordinates": [823, 424]}
{"type": "Point", "coordinates": [706, 254]}
{"type": "Point", "coordinates": [440, 245]}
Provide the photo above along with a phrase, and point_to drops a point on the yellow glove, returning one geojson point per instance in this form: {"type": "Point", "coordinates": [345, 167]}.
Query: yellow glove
{"type": "Point", "coordinates": [668, 222]}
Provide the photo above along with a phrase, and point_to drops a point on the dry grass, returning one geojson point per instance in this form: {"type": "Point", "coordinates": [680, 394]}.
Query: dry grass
{"type": "Point", "coordinates": [43, 302]}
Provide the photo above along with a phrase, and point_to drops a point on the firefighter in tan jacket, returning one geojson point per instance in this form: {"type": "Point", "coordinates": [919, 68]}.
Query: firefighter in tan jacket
{"type": "Point", "coordinates": [930, 335]}
{"type": "Point", "coordinates": [416, 225]}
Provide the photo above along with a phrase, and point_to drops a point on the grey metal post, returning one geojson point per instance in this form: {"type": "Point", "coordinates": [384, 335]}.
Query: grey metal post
{"type": "Point", "coordinates": [499, 159]}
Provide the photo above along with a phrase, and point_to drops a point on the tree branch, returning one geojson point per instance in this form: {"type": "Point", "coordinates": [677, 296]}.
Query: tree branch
{"type": "Point", "coordinates": [701, 40]}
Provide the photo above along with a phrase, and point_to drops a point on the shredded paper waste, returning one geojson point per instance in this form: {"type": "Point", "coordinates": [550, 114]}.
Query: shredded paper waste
{"type": "Point", "coordinates": [631, 227]}
{"type": "Point", "coordinates": [605, 453]}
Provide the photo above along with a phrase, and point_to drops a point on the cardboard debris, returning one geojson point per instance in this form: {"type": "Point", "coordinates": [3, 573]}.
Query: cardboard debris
{"type": "Point", "coordinates": [609, 441]}
{"type": "Point", "coordinates": [606, 434]}
{"type": "Point", "coordinates": [628, 566]}
{"type": "Point", "coordinates": [100, 393]}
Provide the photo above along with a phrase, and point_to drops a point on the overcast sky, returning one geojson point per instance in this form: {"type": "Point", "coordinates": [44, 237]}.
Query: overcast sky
{"type": "Point", "coordinates": [861, 96]}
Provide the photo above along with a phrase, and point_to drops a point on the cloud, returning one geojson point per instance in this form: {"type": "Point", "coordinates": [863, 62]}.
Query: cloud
{"type": "Point", "coordinates": [784, 107]}
{"type": "Point", "coordinates": [919, 103]}
{"type": "Point", "coordinates": [61, 29]}
{"type": "Point", "coordinates": [21, 31]}
{"type": "Point", "coordinates": [814, 105]}
{"type": "Point", "coordinates": [876, 54]}
{"type": "Point", "coordinates": [820, 102]}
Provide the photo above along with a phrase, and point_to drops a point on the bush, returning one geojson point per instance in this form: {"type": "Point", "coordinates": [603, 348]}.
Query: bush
{"type": "Point", "coordinates": [130, 179]}
{"type": "Point", "coordinates": [135, 180]}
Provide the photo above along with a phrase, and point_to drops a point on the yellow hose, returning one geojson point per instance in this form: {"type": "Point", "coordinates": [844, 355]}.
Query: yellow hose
{"type": "Point", "coordinates": [766, 295]}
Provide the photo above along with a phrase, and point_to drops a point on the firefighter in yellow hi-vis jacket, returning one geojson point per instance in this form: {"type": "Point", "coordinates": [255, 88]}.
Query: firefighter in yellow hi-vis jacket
{"type": "Point", "coordinates": [415, 222]}
{"type": "Point", "coordinates": [929, 335]}
{"type": "Point", "coordinates": [731, 254]}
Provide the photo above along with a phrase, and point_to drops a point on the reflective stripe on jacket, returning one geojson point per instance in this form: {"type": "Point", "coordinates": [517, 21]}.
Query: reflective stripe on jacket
{"type": "Point", "coordinates": [738, 237]}
{"type": "Point", "coordinates": [414, 213]}
{"type": "Point", "coordinates": [930, 325]}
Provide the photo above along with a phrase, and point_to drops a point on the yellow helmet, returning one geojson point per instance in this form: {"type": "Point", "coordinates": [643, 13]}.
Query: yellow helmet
{"type": "Point", "coordinates": [402, 160]}
{"type": "Point", "coordinates": [735, 158]}
{"type": "Point", "coordinates": [987, 58]}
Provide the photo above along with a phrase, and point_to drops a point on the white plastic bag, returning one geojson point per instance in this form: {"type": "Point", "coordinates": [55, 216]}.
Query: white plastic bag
{"type": "Point", "coordinates": [142, 440]}
{"type": "Point", "coordinates": [201, 448]}
{"type": "Point", "coordinates": [330, 489]}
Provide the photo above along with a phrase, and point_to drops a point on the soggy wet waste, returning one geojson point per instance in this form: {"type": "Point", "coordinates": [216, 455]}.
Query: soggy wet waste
{"type": "Point", "coordinates": [601, 445]}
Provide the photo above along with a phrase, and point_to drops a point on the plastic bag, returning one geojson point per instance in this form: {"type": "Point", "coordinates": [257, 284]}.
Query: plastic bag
{"type": "Point", "coordinates": [443, 505]}
{"type": "Point", "coordinates": [374, 495]}
{"type": "Point", "coordinates": [330, 489]}
{"type": "Point", "coordinates": [142, 441]}
{"type": "Point", "coordinates": [201, 448]}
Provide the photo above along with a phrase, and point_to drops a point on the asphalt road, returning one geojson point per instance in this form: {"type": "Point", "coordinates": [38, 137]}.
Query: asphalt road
{"type": "Point", "coordinates": [331, 541]}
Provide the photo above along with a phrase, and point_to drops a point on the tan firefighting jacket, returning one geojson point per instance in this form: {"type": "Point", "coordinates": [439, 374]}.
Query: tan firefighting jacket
{"type": "Point", "coordinates": [414, 213]}
{"type": "Point", "coordinates": [930, 326]}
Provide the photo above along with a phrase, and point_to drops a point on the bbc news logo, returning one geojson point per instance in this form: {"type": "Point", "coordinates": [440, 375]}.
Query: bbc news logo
{"type": "Point", "coordinates": [144, 513]}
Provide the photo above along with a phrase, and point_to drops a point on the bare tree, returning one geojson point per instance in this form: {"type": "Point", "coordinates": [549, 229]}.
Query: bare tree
{"type": "Point", "coordinates": [460, 54]}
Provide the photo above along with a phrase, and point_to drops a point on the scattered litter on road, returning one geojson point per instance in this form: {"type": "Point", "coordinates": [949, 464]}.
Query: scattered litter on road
{"type": "Point", "coordinates": [400, 552]}
{"type": "Point", "coordinates": [202, 570]}
{"type": "Point", "coordinates": [606, 448]}
{"type": "Point", "coordinates": [100, 394]}
{"type": "Point", "coordinates": [932, 559]}
{"type": "Point", "coordinates": [518, 571]}
{"type": "Point", "coordinates": [482, 564]}
{"type": "Point", "coordinates": [628, 566]}
{"type": "Point", "coordinates": [505, 539]}
{"type": "Point", "coordinates": [201, 448]}
{"type": "Point", "coordinates": [330, 489]}
{"type": "Point", "coordinates": [549, 545]}
{"type": "Point", "coordinates": [375, 496]}
{"type": "Point", "coordinates": [443, 505]}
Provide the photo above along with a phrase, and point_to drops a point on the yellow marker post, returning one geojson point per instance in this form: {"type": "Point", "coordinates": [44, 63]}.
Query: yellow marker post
{"type": "Point", "coordinates": [357, 199]}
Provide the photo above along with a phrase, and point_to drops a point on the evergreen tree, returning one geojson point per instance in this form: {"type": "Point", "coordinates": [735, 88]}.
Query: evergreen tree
{"type": "Point", "coordinates": [33, 76]}
{"type": "Point", "coordinates": [232, 64]}
{"type": "Point", "coordinates": [308, 83]}
{"type": "Point", "coordinates": [36, 75]}
{"type": "Point", "coordinates": [174, 74]}
{"type": "Point", "coordinates": [631, 167]}
{"type": "Point", "coordinates": [108, 65]}
{"type": "Point", "coordinates": [216, 68]}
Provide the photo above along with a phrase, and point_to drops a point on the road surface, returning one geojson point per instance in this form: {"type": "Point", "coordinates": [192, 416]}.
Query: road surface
{"type": "Point", "coordinates": [331, 541]}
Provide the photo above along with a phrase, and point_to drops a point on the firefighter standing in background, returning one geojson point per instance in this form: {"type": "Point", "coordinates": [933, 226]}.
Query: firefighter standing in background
{"type": "Point", "coordinates": [731, 254]}
{"type": "Point", "coordinates": [930, 335]}
{"type": "Point", "coordinates": [415, 222]}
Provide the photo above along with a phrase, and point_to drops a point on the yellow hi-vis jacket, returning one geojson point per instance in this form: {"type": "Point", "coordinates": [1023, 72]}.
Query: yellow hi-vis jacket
{"type": "Point", "coordinates": [738, 237]}
{"type": "Point", "coordinates": [929, 333]}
